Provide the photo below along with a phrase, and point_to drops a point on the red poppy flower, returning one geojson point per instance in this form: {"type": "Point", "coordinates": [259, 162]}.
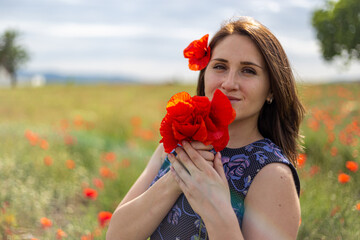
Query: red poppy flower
{"type": "Point", "coordinates": [32, 137]}
{"type": "Point", "coordinates": [197, 119]}
{"type": "Point", "coordinates": [106, 172]}
{"type": "Point", "coordinates": [198, 53]}
{"type": "Point", "coordinates": [333, 151]}
{"type": "Point", "coordinates": [352, 166]}
{"type": "Point", "coordinates": [69, 140]}
{"type": "Point", "coordinates": [48, 161]}
{"type": "Point", "coordinates": [358, 206]}
{"type": "Point", "coordinates": [98, 183]}
{"type": "Point", "coordinates": [109, 157]}
{"type": "Point", "coordinates": [45, 222]}
{"type": "Point", "coordinates": [90, 193]}
{"type": "Point", "coordinates": [314, 170]}
{"type": "Point", "coordinates": [44, 144]}
{"type": "Point", "coordinates": [335, 210]}
{"type": "Point", "coordinates": [301, 160]}
{"type": "Point", "coordinates": [86, 237]}
{"type": "Point", "coordinates": [60, 234]}
{"type": "Point", "coordinates": [70, 164]}
{"type": "Point", "coordinates": [343, 178]}
{"type": "Point", "coordinates": [104, 218]}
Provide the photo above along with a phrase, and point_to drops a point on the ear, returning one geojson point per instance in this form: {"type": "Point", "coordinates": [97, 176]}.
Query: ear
{"type": "Point", "coordinates": [270, 96]}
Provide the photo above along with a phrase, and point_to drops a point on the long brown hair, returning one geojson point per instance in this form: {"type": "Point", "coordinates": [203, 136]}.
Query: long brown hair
{"type": "Point", "coordinates": [280, 120]}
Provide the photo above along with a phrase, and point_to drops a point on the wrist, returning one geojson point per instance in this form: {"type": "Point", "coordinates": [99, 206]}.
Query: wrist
{"type": "Point", "coordinates": [224, 225]}
{"type": "Point", "coordinates": [173, 186]}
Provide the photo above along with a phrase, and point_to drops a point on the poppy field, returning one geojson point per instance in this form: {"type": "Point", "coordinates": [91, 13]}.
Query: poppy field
{"type": "Point", "coordinates": [69, 153]}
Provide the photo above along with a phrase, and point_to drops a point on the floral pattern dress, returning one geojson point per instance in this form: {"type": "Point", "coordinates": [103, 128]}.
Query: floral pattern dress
{"type": "Point", "coordinates": [241, 166]}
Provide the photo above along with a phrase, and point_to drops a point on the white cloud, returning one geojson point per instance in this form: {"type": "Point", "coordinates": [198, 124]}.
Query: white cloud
{"type": "Point", "coordinates": [299, 47]}
{"type": "Point", "coordinates": [308, 4]}
{"type": "Point", "coordinates": [96, 30]}
{"type": "Point", "coordinates": [267, 5]}
{"type": "Point", "coordinates": [73, 29]}
{"type": "Point", "coordinates": [71, 2]}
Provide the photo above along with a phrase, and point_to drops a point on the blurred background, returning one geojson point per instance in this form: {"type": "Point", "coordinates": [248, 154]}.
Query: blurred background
{"type": "Point", "coordinates": [143, 40]}
{"type": "Point", "coordinates": [84, 86]}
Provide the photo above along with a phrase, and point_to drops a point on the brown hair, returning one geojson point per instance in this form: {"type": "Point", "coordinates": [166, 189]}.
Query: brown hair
{"type": "Point", "coordinates": [280, 120]}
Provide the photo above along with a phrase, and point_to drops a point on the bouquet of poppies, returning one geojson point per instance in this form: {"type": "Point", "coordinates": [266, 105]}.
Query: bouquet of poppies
{"type": "Point", "coordinates": [197, 119]}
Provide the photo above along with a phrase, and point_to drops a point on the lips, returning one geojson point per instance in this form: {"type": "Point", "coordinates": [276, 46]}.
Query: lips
{"type": "Point", "coordinates": [233, 99]}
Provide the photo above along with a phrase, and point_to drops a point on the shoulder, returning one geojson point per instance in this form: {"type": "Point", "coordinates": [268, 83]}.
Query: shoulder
{"type": "Point", "coordinates": [274, 175]}
{"type": "Point", "coordinates": [273, 194]}
{"type": "Point", "coordinates": [268, 159]}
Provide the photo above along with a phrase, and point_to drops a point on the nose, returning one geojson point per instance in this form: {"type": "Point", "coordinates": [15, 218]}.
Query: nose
{"type": "Point", "coordinates": [230, 82]}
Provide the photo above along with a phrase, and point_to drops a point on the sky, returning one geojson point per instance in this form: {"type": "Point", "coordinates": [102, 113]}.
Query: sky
{"type": "Point", "coordinates": [145, 39]}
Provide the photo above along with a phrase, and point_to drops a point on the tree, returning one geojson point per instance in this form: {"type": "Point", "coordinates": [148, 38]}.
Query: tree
{"type": "Point", "coordinates": [12, 56]}
{"type": "Point", "coordinates": [338, 29]}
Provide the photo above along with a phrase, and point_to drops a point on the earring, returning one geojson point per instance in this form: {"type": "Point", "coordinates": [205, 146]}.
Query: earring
{"type": "Point", "coordinates": [269, 101]}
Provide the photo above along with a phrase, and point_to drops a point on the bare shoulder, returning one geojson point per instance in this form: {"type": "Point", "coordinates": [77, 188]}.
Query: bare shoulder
{"type": "Point", "coordinates": [275, 173]}
{"type": "Point", "coordinates": [274, 181]}
{"type": "Point", "coordinates": [272, 202]}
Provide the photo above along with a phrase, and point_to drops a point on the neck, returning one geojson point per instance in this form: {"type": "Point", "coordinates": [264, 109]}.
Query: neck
{"type": "Point", "coordinates": [242, 133]}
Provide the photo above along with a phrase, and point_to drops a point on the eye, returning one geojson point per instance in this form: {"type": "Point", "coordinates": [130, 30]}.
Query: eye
{"type": "Point", "coordinates": [249, 70]}
{"type": "Point", "coordinates": [219, 66]}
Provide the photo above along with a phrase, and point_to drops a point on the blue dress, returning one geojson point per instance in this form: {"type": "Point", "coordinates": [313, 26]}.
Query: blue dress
{"type": "Point", "coordinates": [241, 166]}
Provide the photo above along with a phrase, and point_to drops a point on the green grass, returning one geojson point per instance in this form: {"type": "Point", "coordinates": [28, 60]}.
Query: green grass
{"type": "Point", "coordinates": [124, 119]}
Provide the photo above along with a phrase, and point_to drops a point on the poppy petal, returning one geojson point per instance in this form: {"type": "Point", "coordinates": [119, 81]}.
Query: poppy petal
{"type": "Point", "coordinates": [202, 105]}
{"type": "Point", "coordinates": [198, 53]}
{"type": "Point", "coordinates": [221, 111]}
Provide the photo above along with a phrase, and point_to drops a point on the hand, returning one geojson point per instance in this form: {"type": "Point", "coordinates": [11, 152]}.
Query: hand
{"type": "Point", "coordinates": [205, 187]}
{"type": "Point", "coordinates": [204, 151]}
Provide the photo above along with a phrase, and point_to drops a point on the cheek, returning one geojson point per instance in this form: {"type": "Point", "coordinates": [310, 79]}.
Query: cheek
{"type": "Point", "coordinates": [261, 89]}
{"type": "Point", "coordinates": [211, 84]}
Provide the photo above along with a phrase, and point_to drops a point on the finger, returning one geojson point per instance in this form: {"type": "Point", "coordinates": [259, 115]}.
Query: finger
{"type": "Point", "coordinates": [181, 171]}
{"type": "Point", "coordinates": [211, 163]}
{"type": "Point", "coordinates": [183, 158]}
{"type": "Point", "coordinates": [207, 155]}
{"type": "Point", "coordinates": [200, 146]}
{"type": "Point", "coordinates": [195, 156]}
{"type": "Point", "coordinates": [219, 166]}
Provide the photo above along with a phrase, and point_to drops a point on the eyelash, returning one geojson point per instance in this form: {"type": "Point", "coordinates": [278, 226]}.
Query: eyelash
{"type": "Point", "coordinates": [249, 70]}
{"type": "Point", "coordinates": [245, 70]}
{"type": "Point", "coordinates": [219, 66]}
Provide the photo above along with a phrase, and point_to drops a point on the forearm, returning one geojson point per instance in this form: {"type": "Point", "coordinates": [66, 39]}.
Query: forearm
{"type": "Point", "coordinates": [223, 225]}
{"type": "Point", "coordinates": [139, 218]}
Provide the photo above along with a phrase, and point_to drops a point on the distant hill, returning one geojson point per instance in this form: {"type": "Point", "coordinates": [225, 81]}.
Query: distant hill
{"type": "Point", "coordinates": [54, 78]}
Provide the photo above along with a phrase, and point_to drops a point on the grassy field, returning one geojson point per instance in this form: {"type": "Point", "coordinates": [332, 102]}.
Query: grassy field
{"type": "Point", "coordinates": [69, 153]}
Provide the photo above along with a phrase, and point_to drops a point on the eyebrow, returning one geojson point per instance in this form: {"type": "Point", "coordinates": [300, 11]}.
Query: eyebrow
{"type": "Point", "coordinates": [244, 62]}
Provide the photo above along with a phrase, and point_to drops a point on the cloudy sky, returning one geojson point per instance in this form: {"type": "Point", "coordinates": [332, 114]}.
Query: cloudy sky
{"type": "Point", "coordinates": [145, 38]}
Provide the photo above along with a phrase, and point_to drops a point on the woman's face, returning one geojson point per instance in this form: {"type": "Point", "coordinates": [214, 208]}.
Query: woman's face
{"type": "Point", "coordinates": [238, 69]}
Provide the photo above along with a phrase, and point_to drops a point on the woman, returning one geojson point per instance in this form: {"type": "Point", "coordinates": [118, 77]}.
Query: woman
{"type": "Point", "coordinates": [250, 189]}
